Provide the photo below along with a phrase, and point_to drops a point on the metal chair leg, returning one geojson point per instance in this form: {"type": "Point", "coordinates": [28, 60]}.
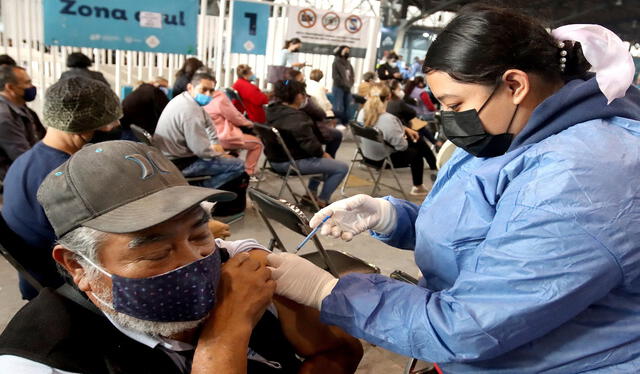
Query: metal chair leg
{"type": "Point", "coordinates": [376, 186]}
{"type": "Point", "coordinates": [393, 171]}
{"type": "Point", "coordinates": [346, 178]}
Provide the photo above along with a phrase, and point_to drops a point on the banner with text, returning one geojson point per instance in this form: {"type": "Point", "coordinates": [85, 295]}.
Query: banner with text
{"type": "Point", "coordinates": [250, 27]}
{"type": "Point", "coordinates": [321, 31]}
{"type": "Point", "coordinates": [166, 26]}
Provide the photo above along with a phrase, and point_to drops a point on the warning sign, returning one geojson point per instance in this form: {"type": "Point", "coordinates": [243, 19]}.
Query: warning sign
{"type": "Point", "coordinates": [323, 30]}
{"type": "Point", "coordinates": [353, 23]}
{"type": "Point", "coordinates": [307, 18]}
{"type": "Point", "coordinates": [331, 21]}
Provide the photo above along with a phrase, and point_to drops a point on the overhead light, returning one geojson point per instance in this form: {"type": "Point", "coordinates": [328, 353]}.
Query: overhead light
{"type": "Point", "coordinates": [426, 34]}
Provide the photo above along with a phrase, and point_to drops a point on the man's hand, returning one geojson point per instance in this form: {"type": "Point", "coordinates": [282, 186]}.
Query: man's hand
{"type": "Point", "coordinates": [217, 148]}
{"type": "Point", "coordinates": [244, 292]}
{"type": "Point", "coordinates": [326, 155]}
{"type": "Point", "coordinates": [219, 229]}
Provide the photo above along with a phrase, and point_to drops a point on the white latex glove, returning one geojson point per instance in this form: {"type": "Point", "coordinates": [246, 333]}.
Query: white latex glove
{"type": "Point", "coordinates": [354, 215]}
{"type": "Point", "coordinates": [299, 280]}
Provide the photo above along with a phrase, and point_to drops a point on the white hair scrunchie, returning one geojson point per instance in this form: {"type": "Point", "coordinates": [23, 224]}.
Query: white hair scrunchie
{"type": "Point", "coordinates": [604, 50]}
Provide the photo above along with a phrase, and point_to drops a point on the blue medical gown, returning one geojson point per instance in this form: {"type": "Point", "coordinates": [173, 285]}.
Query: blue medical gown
{"type": "Point", "coordinates": [531, 261]}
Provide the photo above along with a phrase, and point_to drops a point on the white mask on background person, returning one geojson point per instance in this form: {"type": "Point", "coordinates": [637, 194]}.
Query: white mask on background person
{"type": "Point", "coordinates": [399, 94]}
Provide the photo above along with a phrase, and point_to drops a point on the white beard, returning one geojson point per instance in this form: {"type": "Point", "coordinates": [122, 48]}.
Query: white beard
{"type": "Point", "coordinates": [164, 329]}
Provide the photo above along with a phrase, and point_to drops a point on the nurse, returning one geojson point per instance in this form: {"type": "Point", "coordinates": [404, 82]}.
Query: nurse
{"type": "Point", "coordinates": [529, 242]}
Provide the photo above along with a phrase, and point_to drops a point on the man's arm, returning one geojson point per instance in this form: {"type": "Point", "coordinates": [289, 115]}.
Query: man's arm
{"type": "Point", "coordinates": [326, 349]}
{"type": "Point", "coordinates": [244, 292]}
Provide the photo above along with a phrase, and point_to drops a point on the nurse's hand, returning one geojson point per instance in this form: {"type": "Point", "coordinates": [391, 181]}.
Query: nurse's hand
{"type": "Point", "coordinates": [299, 280]}
{"type": "Point", "coordinates": [354, 215]}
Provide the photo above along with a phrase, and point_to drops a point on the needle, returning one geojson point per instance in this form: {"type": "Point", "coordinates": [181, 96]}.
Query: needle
{"type": "Point", "coordinates": [312, 233]}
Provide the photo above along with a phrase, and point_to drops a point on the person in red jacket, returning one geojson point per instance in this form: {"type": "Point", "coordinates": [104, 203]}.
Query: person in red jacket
{"type": "Point", "coordinates": [252, 98]}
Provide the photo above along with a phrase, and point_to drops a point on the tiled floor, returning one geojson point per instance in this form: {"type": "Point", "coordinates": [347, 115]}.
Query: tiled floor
{"type": "Point", "coordinates": [376, 360]}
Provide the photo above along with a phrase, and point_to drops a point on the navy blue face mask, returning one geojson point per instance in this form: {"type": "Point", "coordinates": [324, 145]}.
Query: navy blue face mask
{"type": "Point", "coordinates": [465, 130]}
{"type": "Point", "coordinates": [30, 93]}
{"type": "Point", "coordinates": [184, 294]}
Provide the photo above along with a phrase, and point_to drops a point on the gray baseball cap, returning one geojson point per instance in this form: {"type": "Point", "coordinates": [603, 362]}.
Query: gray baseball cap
{"type": "Point", "coordinates": [118, 187]}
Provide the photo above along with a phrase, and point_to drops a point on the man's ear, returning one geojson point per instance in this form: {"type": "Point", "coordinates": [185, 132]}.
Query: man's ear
{"type": "Point", "coordinates": [67, 260]}
{"type": "Point", "coordinates": [189, 87]}
{"type": "Point", "coordinates": [517, 82]}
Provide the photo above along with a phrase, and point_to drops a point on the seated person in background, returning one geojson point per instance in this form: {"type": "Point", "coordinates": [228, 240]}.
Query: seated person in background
{"type": "Point", "coordinates": [318, 92]}
{"type": "Point", "coordinates": [416, 90]}
{"type": "Point", "coordinates": [74, 109]}
{"type": "Point", "coordinates": [252, 98]}
{"type": "Point", "coordinates": [297, 130]}
{"type": "Point", "coordinates": [79, 64]}
{"type": "Point", "coordinates": [154, 292]}
{"type": "Point", "coordinates": [228, 122]}
{"type": "Point", "coordinates": [20, 127]}
{"type": "Point", "coordinates": [185, 131]}
{"type": "Point", "coordinates": [143, 107]}
{"type": "Point", "coordinates": [185, 74]}
{"type": "Point", "coordinates": [410, 152]}
{"type": "Point", "coordinates": [405, 113]}
{"type": "Point", "coordinates": [324, 128]}
{"type": "Point", "coordinates": [367, 79]}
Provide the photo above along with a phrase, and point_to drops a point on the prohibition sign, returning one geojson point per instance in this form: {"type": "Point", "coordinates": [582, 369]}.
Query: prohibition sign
{"type": "Point", "coordinates": [331, 21]}
{"type": "Point", "coordinates": [307, 18]}
{"type": "Point", "coordinates": [353, 23]}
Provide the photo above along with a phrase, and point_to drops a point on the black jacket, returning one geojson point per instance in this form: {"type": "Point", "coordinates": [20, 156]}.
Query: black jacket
{"type": "Point", "coordinates": [86, 73]}
{"type": "Point", "coordinates": [386, 71]}
{"type": "Point", "coordinates": [297, 131]}
{"type": "Point", "coordinates": [342, 73]}
{"type": "Point", "coordinates": [20, 129]}
{"type": "Point", "coordinates": [60, 333]}
{"type": "Point", "coordinates": [143, 107]}
{"type": "Point", "coordinates": [402, 110]}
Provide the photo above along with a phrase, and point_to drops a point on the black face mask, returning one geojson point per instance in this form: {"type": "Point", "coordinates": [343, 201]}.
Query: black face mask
{"type": "Point", "coordinates": [465, 130]}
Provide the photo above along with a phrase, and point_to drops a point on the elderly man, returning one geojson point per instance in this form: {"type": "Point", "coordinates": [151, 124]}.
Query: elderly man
{"type": "Point", "coordinates": [74, 109]}
{"type": "Point", "coordinates": [185, 132]}
{"type": "Point", "coordinates": [163, 296]}
{"type": "Point", "coordinates": [20, 127]}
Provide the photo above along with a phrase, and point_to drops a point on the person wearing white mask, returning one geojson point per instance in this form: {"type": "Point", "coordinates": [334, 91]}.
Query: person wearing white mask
{"type": "Point", "coordinates": [390, 69]}
{"type": "Point", "coordinates": [528, 242]}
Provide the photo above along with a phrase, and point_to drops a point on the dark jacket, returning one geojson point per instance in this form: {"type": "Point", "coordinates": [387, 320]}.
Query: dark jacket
{"type": "Point", "coordinates": [20, 129]}
{"type": "Point", "coordinates": [86, 73]}
{"type": "Point", "coordinates": [75, 336]}
{"type": "Point", "coordinates": [180, 85]}
{"type": "Point", "coordinates": [386, 71]}
{"type": "Point", "coordinates": [143, 107]}
{"type": "Point", "coordinates": [342, 73]}
{"type": "Point", "coordinates": [402, 110]}
{"type": "Point", "coordinates": [297, 131]}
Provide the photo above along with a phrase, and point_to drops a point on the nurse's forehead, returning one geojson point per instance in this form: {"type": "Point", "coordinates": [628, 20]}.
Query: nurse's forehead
{"type": "Point", "coordinates": [444, 87]}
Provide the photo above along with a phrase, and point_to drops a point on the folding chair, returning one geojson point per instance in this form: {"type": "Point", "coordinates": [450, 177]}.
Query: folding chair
{"type": "Point", "coordinates": [270, 137]}
{"type": "Point", "coordinates": [144, 137]}
{"type": "Point", "coordinates": [19, 254]}
{"type": "Point", "coordinates": [336, 262]}
{"type": "Point", "coordinates": [445, 153]}
{"type": "Point", "coordinates": [375, 135]}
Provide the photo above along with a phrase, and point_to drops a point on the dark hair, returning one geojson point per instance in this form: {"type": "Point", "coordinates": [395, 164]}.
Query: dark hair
{"type": "Point", "coordinates": [195, 80]}
{"type": "Point", "coordinates": [7, 60]}
{"type": "Point", "coordinates": [483, 42]}
{"type": "Point", "coordinates": [338, 51]}
{"type": "Point", "coordinates": [393, 86]}
{"type": "Point", "coordinates": [8, 75]}
{"type": "Point", "coordinates": [242, 70]}
{"type": "Point", "coordinates": [392, 55]}
{"type": "Point", "coordinates": [292, 41]}
{"type": "Point", "coordinates": [78, 60]}
{"type": "Point", "coordinates": [408, 88]}
{"type": "Point", "coordinates": [316, 75]}
{"type": "Point", "coordinates": [369, 76]}
{"type": "Point", "coordinates": [189, 68]}
{"type": "Point", "coordinates": [287, 90]}
{"type": "Point", "coordinates": [294, 74]}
